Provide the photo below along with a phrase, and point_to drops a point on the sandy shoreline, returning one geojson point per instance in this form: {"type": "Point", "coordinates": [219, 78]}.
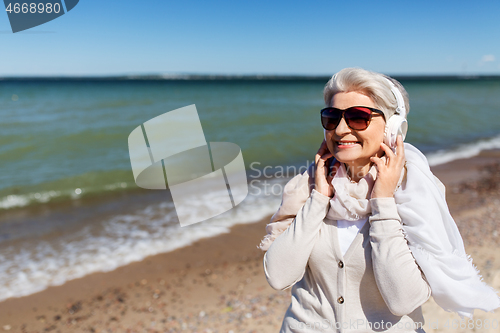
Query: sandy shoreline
{"type": "Point", "coordinates": [218, 284]}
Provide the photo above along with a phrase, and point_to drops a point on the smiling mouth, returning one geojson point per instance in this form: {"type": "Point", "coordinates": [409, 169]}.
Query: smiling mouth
{"type": "Point", "coordinates": [347, 143]}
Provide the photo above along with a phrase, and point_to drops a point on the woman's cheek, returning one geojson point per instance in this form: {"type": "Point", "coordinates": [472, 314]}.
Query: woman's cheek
{"type": "Point", "coordinates": [329, 141]}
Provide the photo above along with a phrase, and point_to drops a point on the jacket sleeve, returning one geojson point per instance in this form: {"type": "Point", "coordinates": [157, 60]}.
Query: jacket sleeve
{"type": "Point", "coordinates": [286, 259]}
{"type": "Point", "coordinates": [399, 279]}
{"type": "Point", "coordinates": [295, 194]}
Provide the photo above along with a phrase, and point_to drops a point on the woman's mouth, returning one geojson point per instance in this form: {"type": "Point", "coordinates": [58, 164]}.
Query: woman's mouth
{"type": "Point", "coordinates": [347, 144]}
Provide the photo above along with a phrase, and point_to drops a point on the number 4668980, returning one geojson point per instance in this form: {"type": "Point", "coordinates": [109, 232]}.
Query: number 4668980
{"type": "Point", "coordinates": [33, 8]}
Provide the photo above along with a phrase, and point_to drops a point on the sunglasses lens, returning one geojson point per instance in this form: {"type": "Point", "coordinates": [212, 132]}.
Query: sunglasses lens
{"type": "Point", "coordinates": [358, 118]}
{"type": "Point", "coordinates": [330, 118]}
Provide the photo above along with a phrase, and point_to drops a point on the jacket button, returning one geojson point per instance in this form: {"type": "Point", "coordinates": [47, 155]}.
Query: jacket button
{"type": "Point", "coordinates": [341, 264]}
{"type": "Point", "coordinates": [340, 300]}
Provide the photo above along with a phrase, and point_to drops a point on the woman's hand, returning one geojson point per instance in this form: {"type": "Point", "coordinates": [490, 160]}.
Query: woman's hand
{"type": "Point", "coordinates": [322, 175]}
{"type": "Point", "coordinates": [389, 171]}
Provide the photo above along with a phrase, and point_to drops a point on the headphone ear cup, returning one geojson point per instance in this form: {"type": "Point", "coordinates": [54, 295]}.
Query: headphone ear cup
{"type": "Point", "coordinates": [396, 125]}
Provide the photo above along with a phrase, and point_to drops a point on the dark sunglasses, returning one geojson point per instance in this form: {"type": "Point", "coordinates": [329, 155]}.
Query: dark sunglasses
{"type": "Point", "coordinates": [356, 117]}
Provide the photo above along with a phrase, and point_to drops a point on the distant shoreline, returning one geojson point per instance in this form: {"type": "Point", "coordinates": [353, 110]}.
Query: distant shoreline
{"type": "Point", "coordinates": [219, 77]}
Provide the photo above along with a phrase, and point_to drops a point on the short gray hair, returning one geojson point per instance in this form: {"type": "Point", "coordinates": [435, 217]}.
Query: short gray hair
{"type": "Point", "coordinates": [369, 83]}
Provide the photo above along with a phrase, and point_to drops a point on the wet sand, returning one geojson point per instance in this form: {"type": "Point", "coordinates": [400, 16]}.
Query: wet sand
{"type": "Point", "coordinates": [218, 284]}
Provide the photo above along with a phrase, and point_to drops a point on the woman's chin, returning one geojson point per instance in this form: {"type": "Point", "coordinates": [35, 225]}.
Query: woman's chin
{"type": "Point", "coordinates": [346, 156]}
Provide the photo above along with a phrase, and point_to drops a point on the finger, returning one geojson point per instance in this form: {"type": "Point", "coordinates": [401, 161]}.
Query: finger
{"type": "Point", "coordinates": [326, 156]}
{"type": "Point", "coordinates": [321, 151]}
{"type": "Point", "coordinates": [321, 161]}
{"type": "Point", "coordinates": [323, 158]}
{"type": "Point", "coordinates": [400, 149]}
{"type": "Point", "coordinates": [379, 163]}
{"type": "Point", "coordinates": [388, 151]}
{"type": "Point", "coordinates": [323, 147]}
{"type": "Point", "coordinates": [317, 157]}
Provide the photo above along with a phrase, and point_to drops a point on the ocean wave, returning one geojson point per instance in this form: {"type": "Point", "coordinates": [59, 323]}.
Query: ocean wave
{"type": "Point", "coordinates": [32, 266]}
{"type": "Point", "coordinates": [463, 151]}
{"type": "Point", "coordinates": [22, 200]}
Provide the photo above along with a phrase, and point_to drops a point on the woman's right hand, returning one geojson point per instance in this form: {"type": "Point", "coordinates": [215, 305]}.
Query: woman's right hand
{"type": "Point", "coordinates": [322, 175]}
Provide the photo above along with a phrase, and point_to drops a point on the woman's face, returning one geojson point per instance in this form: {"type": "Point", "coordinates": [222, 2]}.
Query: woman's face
{"type": "Point", "coordinates": [355, 147]}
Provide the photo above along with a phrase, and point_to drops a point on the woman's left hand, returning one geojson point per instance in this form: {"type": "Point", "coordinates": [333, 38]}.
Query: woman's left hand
{"type": "Point", "coordinates": [389, 171]}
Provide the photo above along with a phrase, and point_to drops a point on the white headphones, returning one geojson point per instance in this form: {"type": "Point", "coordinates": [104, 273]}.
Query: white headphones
{"type": "Point", "coordinates": [396, 124]}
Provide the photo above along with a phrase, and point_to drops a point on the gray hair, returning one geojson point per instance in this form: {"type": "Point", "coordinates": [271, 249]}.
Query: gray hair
{"type": "Point", "coordinates": [368, 83]}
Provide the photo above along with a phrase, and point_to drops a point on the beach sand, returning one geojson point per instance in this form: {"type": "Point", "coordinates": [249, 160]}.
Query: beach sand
{"type": "Point", "coordinates": [218, 284]}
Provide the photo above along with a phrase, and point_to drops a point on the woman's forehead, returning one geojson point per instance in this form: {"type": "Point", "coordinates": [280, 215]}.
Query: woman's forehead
{"type": "Point", "coordinates": [344, 100]}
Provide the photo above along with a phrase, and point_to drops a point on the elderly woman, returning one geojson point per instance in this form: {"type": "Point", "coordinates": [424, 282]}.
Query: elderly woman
{"type": "Point", "coordinates": [364, 236]}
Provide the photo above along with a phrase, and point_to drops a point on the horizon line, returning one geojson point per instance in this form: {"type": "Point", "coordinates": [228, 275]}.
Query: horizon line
{"type": "Point", "coordinates": [222, 77]}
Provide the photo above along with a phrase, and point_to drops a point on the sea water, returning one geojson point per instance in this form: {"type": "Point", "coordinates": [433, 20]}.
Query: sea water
{"type": "Point", "coordinates": [68, 202]}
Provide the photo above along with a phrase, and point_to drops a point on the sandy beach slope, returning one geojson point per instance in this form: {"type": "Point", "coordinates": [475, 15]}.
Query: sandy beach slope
{"type": "Point", "coordinates": [218, 284]}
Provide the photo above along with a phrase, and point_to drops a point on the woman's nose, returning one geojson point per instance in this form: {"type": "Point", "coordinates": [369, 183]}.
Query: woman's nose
{"type": "Point", "coordinates": [342, 128]}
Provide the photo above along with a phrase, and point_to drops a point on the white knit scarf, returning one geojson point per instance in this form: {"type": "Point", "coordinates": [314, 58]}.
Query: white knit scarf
{"type": "Point", "coordinates": [429, 228]}
{"type": "Point", "coordinates": [351, 199]}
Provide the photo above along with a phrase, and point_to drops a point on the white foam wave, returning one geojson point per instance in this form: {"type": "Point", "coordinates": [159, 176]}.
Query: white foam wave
{"type": "Point", "coordinates": [29, 268]}
{"type": "Point", "coordinates": [21, 200]}
{"type": "Point", "coordinates": [463, 151]}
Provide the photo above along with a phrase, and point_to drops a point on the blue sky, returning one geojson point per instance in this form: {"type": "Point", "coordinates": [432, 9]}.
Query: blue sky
{"type": "Point", "coordinates": [258, 37]}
